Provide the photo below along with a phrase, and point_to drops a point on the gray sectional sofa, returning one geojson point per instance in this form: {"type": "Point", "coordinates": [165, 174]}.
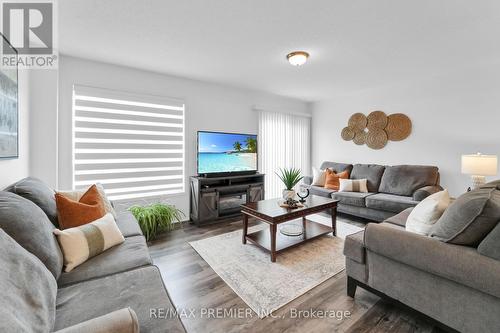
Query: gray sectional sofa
{"type": "Point", "coordinates": [392, 189]}
{"type": "Point", "coordinates": [455, 286]}
{"type": "Point", "coordinates": [111, 292]}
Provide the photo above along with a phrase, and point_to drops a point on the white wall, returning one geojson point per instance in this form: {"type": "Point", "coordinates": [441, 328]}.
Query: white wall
{"type": "Point", "coordinates": [208, 107]}
{"type": "Point", "coordinates": [12, 170]}
{"type": "Point", "coordinates": [43, 125]}
{"type": "Point", "coordinates": [452, 114]}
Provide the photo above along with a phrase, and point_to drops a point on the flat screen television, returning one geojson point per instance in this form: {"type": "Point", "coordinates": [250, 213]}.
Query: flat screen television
{"type": "Point", "coordinates": [222, 154]}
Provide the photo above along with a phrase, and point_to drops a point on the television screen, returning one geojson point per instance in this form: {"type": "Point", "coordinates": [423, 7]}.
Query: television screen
{"type": "Point", "coordinates": [226, 152]}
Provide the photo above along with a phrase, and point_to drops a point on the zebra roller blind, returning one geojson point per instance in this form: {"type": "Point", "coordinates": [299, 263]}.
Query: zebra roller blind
{"type": "Point", "coordinates": [132, 144]}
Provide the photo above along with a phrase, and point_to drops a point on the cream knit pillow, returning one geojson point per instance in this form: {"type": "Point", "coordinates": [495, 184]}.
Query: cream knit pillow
{"type": "Point", "coordinates": [427, 212]}
{"type": "Point", "coordinates": [86, 241]}
{"type": "Point", "coordinates": [319, 177]}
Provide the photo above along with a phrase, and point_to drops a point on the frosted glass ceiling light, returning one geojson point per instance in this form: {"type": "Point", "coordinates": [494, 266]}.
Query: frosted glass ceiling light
{"type": "Point", "coordinates": [297, 58]}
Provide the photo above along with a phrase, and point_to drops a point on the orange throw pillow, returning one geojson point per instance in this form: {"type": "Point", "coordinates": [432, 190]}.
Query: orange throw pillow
{"type": "Point", "coordinates": [72, 213]}
{"type": "Point", "coordinates": [332, 179]}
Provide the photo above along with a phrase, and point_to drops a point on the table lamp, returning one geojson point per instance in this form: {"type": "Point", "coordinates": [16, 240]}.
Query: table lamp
{"type": "Point", "coordinates": [479, 166]}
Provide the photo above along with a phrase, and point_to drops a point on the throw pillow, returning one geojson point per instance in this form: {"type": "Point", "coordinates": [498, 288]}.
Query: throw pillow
{"type": "Point", "coordinates": [81, 243]}
{"type": "Point", "coordinates": [75, 213]}
{"type": "Point", "coordinates": [427, 212]}
{"type": "Point", "coordinates": [353, 185]}
{"type": "Point", "coordinates": [319, 177]}
{"type": "Point", "coordinates": [76, 195]}
{"type": "Point", "coordinates": [24, 221]}
{"type": "Point", "coordinates": [490, 246]}
{"type": "Point", "coordinates": [332, 179]}
{"type": "Point", "coordinates": [38, 192]}
{"type": "Point", "coordinates": [28, 290]}
{"type": "Point", "coordinates": [469, 218]}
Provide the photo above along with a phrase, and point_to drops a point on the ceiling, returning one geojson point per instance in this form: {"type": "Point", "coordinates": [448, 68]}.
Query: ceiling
{"type": "Point", "coordinates": [354, 45]}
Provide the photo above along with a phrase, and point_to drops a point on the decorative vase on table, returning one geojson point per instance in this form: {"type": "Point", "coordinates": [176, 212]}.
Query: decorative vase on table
{"type": "Point", "coordinates": [288, 194]}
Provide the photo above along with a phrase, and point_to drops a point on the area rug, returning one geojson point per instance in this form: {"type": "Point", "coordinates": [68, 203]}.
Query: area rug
{"type": "Point", "coordinates": [267, 286]}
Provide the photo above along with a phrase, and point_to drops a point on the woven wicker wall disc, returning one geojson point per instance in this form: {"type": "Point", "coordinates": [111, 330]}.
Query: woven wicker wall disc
{"type": "Point", "coordinates": [377, 119]}
{"type": "Point", "coordinates": [398, 127]}
{"type": "Point", "coordinates": [348, 134]}
{"type": "Point", "coordinates": [360, 138]}
{"type": "Point", "coordinates": [376, 138]}
{"type": "Point", "coordinates": [358, 122]}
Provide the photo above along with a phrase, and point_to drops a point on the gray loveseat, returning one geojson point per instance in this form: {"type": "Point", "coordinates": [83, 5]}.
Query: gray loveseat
{"type": "Point", "coordinates": [391, 189]}
{"type": "Point", "coordinates": [112, 292]}
{"type": "Point", "coordinates": [450, 284]}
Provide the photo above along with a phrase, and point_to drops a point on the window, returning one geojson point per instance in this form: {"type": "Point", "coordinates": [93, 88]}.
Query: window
{"type": "Point", "coordinates": [132, 144]}
{"type": "Point", "coordinates": [284, 142]}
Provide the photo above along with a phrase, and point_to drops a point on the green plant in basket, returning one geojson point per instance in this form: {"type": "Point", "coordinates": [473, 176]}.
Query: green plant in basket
{"type": "Point", "coordinates": [156, 218]}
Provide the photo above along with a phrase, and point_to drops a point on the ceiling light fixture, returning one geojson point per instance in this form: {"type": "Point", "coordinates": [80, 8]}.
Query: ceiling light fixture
{"type": "Point", "coordinates": [297, 58]}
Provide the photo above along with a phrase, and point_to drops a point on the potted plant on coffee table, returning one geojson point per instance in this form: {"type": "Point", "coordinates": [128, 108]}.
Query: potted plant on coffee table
{"type": "Point", "coordinates": [290, 177]}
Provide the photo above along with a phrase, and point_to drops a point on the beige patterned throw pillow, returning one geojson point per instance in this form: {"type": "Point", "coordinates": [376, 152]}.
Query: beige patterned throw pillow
{"type": "Point", "coordinates": [353, 185]}
{"type": "Point", "coordinates": [86, 241]}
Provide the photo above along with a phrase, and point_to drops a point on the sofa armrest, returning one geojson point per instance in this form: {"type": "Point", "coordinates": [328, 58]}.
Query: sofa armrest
{"type": "Point", "coordinates": [461, 264]}
{"type": "Point", "coordinates": [425, 191]}
{"type": "Point", "coordinates": [308, 180]}
{"type": "Point", "coordinates": [121, 321]}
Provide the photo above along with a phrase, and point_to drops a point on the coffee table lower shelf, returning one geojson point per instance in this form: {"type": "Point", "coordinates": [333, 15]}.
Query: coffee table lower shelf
{"type": "Point", "coordinates": [262, 238]}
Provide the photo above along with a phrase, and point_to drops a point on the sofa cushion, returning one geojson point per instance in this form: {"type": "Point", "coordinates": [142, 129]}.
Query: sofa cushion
{"type": "Point", "coordinates": [469, 218]}
{"type": "Point", "coordinates": [38, 192]}
{"type": "Point", "coordinates": [130, 254]}
{"type": "Point", "coordinates": [24, 221]}
{"type": "Point", "coordinates": [406, 179]}
{"type": "Point", "coordinates": [390, 202]}
{"type": "Point", "coordinates": [354, 247]}
{"type": "Point", "coordinates": [400, 219]}
{"type": "Point", "coordinates": [128, 224]}
{"type": "Point", "coordinates": [336, 167]}
{"type": "Point", "coordinates": [351, 198]}
{"type": "Point", "coordinates": [141, 289]}
{"type": "Point", "coordinates": [493, 184]}
{"type": "Point", "coordinates": [490, 246]}
{"type": "Point", "coordinates": [371, 172]}
{"type": "Point", "coordinates": [321, 191]}
{"type": "Point", "coordinates": [119, 321]}
{"type": "Point", "coordinates": [27, 290]}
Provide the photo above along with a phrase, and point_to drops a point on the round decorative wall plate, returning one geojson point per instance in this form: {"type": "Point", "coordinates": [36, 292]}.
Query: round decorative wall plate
{"type": "Point", "coordinates": [348, 133]}
{"type": "Point", "coordinates": [360, 138]}
{"type": "Point", "coordinates": [376, 138]}
{"type": "Point", "coordinates": [398, 127]}
{"type": "Point", "coordinates": [357, 122]}
{"type": "Point", "coordinates": [377, 119]}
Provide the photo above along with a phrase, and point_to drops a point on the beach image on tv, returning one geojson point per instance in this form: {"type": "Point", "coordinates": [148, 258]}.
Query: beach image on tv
{"type": "Point", "coordinates": [224, 152]}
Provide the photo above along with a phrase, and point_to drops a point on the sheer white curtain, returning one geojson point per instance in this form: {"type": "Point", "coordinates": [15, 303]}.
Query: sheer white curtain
{"type": "Point", "coordinates": [284, 142]}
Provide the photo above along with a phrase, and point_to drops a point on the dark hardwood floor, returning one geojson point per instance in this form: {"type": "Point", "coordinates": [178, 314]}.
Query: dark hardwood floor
{"type": "Point", "coordinates": [195, 290]}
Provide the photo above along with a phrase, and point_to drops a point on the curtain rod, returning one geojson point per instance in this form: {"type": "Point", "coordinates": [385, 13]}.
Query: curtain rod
{"type": "Point", "coordinates": [300, 114]}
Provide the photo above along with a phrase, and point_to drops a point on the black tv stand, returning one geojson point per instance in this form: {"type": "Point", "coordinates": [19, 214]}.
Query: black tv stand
{"type": "Point", "coordinates": [216, 198]}
{"type": "Point", "coordinates": [226, 174]}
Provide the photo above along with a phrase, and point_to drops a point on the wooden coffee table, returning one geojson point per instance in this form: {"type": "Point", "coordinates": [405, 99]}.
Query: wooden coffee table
{"type": "Point", "coordinates": [270, 212]}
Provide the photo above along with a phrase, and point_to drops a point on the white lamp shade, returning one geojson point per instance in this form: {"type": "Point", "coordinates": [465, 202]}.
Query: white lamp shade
{"type": "Point", "coordinates": [479, 165]}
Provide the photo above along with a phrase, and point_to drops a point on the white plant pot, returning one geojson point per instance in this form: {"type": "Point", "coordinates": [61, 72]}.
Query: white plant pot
{"type": "Point", "coordinates": [288, 194]}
